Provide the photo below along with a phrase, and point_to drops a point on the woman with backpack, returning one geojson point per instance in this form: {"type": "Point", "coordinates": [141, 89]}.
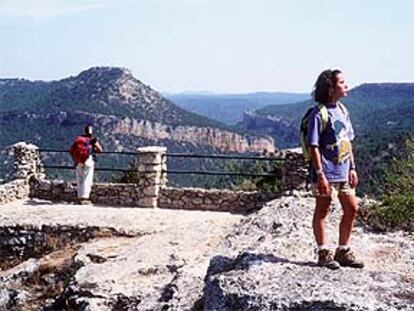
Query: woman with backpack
{"type": "Point", "coordinates": [329, 136]}
{"type": "Point", "coordinates": [82, 151]}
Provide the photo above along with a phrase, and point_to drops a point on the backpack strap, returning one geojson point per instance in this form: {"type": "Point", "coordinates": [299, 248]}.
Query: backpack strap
{"type": "Point", "coordinates": [344, 109]}
{"type": "Point", "coordinates": [324, 115]}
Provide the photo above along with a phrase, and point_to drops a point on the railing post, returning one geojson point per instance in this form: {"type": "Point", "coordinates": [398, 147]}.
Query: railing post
{"type": "Point", "coordinates": [27, 161]}
{"type": "Point", "coordinates": [294, 171]}
{"type": "Point", "coordinates": [151, 166]}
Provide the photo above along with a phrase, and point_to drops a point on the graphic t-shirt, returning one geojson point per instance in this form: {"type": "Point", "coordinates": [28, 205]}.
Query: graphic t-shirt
{"type": "Point", "coordinates": [334, 142]}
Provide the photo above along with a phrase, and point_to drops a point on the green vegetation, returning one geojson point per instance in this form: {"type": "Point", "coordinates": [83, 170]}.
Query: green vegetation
{"type": "Point", "coordinates": [396, 207]}
{"type": "Point", "coordinates": [265, 183]}
{"type": "Point", "coordinates": [372, 107]}
{"type": "Point", "coordinates": [375, 153]}
{"type": "Point", "coordinates": [259, 183]}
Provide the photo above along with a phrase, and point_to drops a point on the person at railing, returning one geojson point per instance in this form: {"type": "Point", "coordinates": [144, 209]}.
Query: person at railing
{"type": "Point", "coordinates": [333, 167]}
{"type": "Point", "coordinates": [83, 152]}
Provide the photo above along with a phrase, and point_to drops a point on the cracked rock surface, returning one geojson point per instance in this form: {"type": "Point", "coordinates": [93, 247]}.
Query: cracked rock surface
{"type": "Point", "coordinates": [160, 265]}
{"type": "Point", "coordinates": [193, 260]}
{"type": "Point", "coordinates": [268, 264]}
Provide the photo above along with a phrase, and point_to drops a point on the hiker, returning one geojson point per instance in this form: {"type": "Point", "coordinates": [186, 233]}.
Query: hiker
{"type": "Point", "coordinates": [332, 167]}
{"type": "Point", "coordinates": [82, 151]}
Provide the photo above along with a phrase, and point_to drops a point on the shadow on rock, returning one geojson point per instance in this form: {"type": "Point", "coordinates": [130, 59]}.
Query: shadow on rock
{"type": "Point", "coordinates": [221, 264]}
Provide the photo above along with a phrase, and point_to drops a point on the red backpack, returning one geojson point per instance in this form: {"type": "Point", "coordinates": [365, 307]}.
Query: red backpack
{"type": "Point", "coordinates": [81, 149]}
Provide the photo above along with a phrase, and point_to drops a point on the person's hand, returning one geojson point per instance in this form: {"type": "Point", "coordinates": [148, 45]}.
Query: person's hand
{"type": "Point", "coordinates": [323, 185]}
{"type": "Point", "coordinates": [353, 178]}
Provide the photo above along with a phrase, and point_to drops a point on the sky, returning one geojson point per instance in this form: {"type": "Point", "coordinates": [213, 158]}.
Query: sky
{"type": "Point", "coordinates": [220, 46]}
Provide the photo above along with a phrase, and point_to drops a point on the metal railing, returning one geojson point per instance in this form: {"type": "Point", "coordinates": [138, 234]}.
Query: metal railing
{"type": "Point", "coordinates": [71, 167]}
{"type": "Point", "coordinates": [223, 157]}
{"type": "Point", "coordinates": [177, 155]}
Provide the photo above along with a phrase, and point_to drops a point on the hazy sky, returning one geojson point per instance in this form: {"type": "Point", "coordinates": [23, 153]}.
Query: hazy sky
{"type": "Point", "coordinates": [210, 45]}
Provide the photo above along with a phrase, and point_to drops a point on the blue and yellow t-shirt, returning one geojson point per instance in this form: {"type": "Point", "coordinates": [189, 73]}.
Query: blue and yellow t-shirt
{"type": "Point", "coordinates": [334, 142]}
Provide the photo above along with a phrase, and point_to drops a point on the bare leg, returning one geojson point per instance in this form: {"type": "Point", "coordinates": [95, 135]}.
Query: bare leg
{"type": "Point", "coordinates": [350, 209]}
{"type": "Point", "coordinates": [319, 219]}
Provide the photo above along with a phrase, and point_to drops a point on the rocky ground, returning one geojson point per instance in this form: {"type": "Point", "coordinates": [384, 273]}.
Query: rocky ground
{"type": "Point", "coordinates": [268, 264]}
{"type": "Point", "coordinates": [157, 259]}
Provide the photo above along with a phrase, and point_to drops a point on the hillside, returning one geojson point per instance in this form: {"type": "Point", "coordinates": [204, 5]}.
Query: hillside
{"type": "Point", "coordinates": [229, 108]}
{"type": "Point", "coordinates": [126, 113]}
{"type": "Point", "coordinates": [373, 107]}
{"type": "Point", "coordinates": [103, 90]}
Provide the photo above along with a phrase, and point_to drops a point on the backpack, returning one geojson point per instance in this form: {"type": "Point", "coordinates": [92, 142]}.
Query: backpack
{"type": "Point", "coordinates": [304, 125]}
{"type": "Point", "coordinates": [81, 149]}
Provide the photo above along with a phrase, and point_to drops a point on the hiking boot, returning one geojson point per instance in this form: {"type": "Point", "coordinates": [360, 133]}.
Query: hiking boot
{"type": "Point", "coordinates": [325, 259]}
{"type": "Point", "coordinates": [346, 258]}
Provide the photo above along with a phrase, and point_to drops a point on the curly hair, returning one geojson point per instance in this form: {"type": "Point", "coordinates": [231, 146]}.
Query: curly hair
{"type": "Point", "coordinates": [325, 85]}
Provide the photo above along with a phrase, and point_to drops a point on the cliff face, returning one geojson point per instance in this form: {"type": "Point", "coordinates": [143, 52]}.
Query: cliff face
{"type": "Point", "coordinates": [281, 129]}
{"type": "Point", "coordinates": [208, 136]}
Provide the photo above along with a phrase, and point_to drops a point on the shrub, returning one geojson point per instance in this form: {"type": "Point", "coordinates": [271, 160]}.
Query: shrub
{"type": "Point", "coordinates": [396, 209]}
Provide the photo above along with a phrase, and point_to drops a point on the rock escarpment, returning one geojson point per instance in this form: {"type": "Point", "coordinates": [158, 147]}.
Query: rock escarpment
{"type": "Point", "coordinates": [203, 136]}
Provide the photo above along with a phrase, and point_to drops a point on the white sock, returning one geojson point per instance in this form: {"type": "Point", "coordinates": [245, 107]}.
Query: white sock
{"type": "Point", "coordinates": [322, 247]}
{"type": "Point", "coordinates": [343, 247]}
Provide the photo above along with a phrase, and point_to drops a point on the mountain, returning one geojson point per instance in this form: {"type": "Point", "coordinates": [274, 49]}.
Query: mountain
{"type": "Point", "coordinates": [109, 91]}
{"type": "Point", "coordinates": [127, 114]}
{"type": "Point", "coordinates": [229, 108]}
{"type": "Point", "coordinates": [373, 108]}
{"type": "Point", "coordinates": [115, 101]}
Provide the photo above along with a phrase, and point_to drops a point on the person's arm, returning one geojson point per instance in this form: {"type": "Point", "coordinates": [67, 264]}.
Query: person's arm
{"type": "Point", "coordinates": [322, 183]}
{"type": "Point", "coordinates": [97, 148]}
{"type": "Point", "coordinates": [353, 176]}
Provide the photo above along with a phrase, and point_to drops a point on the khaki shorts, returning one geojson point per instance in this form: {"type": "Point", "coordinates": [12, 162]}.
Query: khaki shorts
{"type": "Point", "coordinates": [341, 188]}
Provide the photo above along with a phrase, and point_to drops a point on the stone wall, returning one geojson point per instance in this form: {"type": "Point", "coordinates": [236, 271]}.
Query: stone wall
{"type": "Point", "coordinates": [27, 161]}
{"type": "Point", "coordinates": [151, 164]}
{"type": "Point", "coordinates": [150, 190]}
{"type": "Point", "coordinates": [130, 195]}
{"type": "Point", "coordinates": [113, 194]}
{"type": "Point", "coordinates": [27, 164]}
{"type": "Point", "coordinates": [14, 190]}
{"type": "Point", "coordinates": [213, 200]}
{"type": "Point", "coordinates": [294, 171]}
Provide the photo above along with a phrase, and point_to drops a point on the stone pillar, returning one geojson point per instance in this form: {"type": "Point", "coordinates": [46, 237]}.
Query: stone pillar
{"type": "Point", "coordinates": [27, 161]}
{"type": "Point", "coordinates": [294, 171]}
{"type": "Point", "coordinates": [151, 163]}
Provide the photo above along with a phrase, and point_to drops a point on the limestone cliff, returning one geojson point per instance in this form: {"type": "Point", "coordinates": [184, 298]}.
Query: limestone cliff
{"type": "Point", "coordinates": [208, 136]}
